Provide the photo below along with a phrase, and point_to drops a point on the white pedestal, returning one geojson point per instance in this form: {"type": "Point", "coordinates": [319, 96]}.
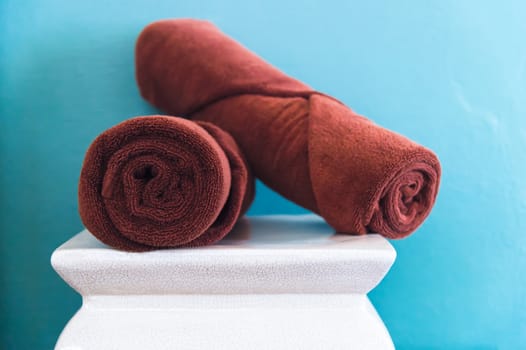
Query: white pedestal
{"type": "Point", "coordinates": [275, 282]}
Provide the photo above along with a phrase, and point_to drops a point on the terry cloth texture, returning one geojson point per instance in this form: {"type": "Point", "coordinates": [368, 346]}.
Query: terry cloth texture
{"type": "Point", "coordinates": [161, 182]}
{"type": "Point", "coordinates": [305, 145]}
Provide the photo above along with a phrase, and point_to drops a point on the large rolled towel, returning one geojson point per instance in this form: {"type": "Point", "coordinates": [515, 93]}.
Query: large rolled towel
{"type": "Point", "coordinates": [159, 182]}
{"type": "Point", "coordinates": [307, 146]}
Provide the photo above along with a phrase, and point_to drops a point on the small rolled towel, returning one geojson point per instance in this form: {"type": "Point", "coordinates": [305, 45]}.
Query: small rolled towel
{"type": "Point", "coordinates": [160, 182]}
{"type": "Point", "coordinates": [307, 146]}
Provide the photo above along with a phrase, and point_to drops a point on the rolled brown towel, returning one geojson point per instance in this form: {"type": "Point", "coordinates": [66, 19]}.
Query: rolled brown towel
{"type": "Point", "coordinates": [160, 182]}
{"type": "Point", "coordinates": [307, 146]}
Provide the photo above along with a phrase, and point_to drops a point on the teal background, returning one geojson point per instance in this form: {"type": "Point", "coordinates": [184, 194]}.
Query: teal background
{"type": "Point", "coordinates": [448, 74]}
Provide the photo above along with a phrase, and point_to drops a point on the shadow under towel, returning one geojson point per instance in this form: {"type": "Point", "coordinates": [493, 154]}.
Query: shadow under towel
{"type": "Point", "coordinates": [307, 146]}
{"type": "Point", "coordinates": [161, 182]}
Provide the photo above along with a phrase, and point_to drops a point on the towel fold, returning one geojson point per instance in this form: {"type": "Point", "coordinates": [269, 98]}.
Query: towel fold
{"type": "Point", "coordinates": [159, 182]}
{"type": "Point", "coordinates": [307, 146]}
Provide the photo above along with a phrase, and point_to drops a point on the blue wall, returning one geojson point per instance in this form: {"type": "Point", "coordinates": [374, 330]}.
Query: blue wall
{"type": "Point", "coordinates": [449, 74]}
